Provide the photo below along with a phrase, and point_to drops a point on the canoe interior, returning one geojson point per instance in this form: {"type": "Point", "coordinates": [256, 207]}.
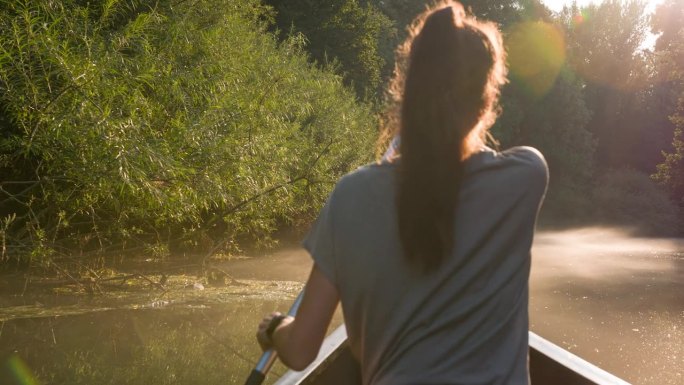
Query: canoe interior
{"type": "Point", "coordinates": [549, 364]}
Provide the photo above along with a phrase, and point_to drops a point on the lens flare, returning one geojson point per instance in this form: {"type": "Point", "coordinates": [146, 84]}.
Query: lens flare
{"type": "Point", "coordinates": [20, 372]}
{"type": "Point", "coordinates": [536, 53]}
{"type": "Point", "coordinates": [579, 18]}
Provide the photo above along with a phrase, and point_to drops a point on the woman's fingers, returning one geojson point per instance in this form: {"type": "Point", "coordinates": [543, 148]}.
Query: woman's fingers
{"type": "Point", "coordinates": [261, 336]}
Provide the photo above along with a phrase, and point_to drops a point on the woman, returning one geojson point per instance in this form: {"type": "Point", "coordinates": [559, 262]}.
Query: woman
{"type": "Point", "coordinates": [429, 251]}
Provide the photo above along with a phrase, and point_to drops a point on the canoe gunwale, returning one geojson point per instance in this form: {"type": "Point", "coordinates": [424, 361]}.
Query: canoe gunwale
{"type": "Point", "coordinates": [592, 373]}
{"type": "Point", "coordinates": [548, 362]}
{"type": "Point", "coordinates": [332, 346]}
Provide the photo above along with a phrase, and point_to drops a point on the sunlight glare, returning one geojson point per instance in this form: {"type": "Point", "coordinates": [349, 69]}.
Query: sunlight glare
{"type": "Point", "coordinates": [536, 53]}
{"type": "Point", "coordinates": [557, 5]}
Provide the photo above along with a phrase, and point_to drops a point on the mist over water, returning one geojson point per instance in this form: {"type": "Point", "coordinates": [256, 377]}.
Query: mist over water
{"type": "Point", "coordinates": [613, 299]}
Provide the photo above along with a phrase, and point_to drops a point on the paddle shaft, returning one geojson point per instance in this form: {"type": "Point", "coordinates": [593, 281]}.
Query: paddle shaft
{"type": "Point", "coordinates": [268, 358]}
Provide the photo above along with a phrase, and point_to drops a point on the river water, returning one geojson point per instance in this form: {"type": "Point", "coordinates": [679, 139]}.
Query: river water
{"type": "Point", "coordinates": [614, 300]}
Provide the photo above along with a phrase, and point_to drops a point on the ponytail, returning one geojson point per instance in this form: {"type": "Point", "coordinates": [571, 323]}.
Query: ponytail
{"type": "Point", "coordinates": [449, 87]}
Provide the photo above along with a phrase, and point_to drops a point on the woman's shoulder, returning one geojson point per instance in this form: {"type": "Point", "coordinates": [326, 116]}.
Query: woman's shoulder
{"type": "Point", "coordinates": [527, 165]}
{"type": "Point", "coordinates": [364, 178]}
{"type": "Point", "coordinates": [370, 171]}
{"type": "Point", "coordinates": [521, 167]}
{"type": "Point", "coordinates": [525, 154]}
{"type": "Point", "coordinates": [526, 157]}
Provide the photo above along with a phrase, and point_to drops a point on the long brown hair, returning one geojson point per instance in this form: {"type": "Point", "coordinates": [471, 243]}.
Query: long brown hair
{"type": "Point", "coordinates": [444, 92]}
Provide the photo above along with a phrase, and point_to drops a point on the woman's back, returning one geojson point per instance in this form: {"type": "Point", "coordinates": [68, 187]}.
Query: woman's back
{"type": "Point", "coordinates": [430, 254]}
{"type": "Point", "coordinates": [463, 323]}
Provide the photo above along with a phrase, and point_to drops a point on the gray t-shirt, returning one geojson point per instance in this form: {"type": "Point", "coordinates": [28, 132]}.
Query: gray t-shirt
{"type": "Point", "coordinates": [465, 323]}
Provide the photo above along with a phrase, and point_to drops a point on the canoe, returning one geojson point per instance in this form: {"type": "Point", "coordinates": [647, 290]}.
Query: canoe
{"type": "Point", "coordinates": [549, 365]}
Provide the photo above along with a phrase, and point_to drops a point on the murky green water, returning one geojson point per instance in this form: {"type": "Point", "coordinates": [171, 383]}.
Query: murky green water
{"type": "Point", "coordinates": [613, 300]}
{"type": "Point", "coordinates": [184, 337]}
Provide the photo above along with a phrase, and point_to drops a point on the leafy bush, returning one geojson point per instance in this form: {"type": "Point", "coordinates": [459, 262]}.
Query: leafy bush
{"type": "Point", "coordinates": [631, 198]}
{"type": "Point", "coordinates": [127, 125]}
{"type": "Point", "coordinates": [555, 123]}
{"type": "Point", "coordinates": [357, 36]}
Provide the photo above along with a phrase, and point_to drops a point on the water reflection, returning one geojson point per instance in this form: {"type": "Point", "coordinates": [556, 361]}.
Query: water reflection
{"type": "Point", "coordinates": [179, 346]}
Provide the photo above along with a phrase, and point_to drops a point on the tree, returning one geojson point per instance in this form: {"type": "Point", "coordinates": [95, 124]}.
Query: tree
{"type": "Point", "coordinates": [555, 123]}
{"type": "Point", "coordinates": [603, 48]}
{"type": "Point", "coordinates": [669, 51]}
{"type": "Point", "coordinates": [341, 33]}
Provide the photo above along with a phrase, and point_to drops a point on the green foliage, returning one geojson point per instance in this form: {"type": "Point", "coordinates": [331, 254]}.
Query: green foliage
{"type": "Point", "coordinates": [670, 173]}
{"type": "Point", "coordinates": [556, 125]}
{"type": "Point", "coordinates": [627, 197]}
{"type": "Point", "coordinates": [670, 56]}
{"type": "Point", "coordinates": [503, 12]}
{"type": "Point", "coordinates": [127, 125]}
{"type": "Point", "coordinates": [604, 39]}
{"type": "Point", "coordinates": [177, 127]}
{"type": "Point", "coordinates": [343, 33]}
{"type": "Point", "coordinates": [603, 42]}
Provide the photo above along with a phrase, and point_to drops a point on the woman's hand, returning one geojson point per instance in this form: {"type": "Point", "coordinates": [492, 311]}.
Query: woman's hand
{"type": "Point", "coordinates": [265, 342]}
{"type": "Point", "coordinates": [297, 342]}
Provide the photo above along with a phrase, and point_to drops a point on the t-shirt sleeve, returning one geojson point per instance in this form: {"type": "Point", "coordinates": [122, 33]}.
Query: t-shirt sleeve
{"type": "Point", "coordinates": [539, 172]}
{"type": "Point", "coordinates": [320, 242]}
{"type": "Point", "coordinates": [536, 171]}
